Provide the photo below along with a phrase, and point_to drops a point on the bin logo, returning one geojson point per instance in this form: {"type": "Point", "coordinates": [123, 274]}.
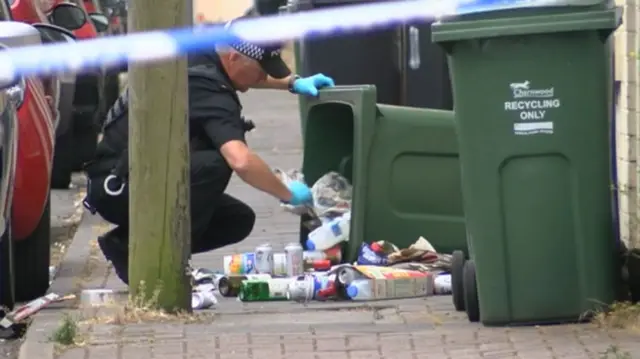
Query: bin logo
{"type": "Point", "coordinates": [524, 90]}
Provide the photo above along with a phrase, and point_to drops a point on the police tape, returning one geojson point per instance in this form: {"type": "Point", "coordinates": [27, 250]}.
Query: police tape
{"type": "Point", "coordinates": [149, 47]}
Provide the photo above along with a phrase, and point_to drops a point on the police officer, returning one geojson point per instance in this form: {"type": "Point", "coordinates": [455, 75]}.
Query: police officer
{"type": "Point", "coordinates": [217, 146]}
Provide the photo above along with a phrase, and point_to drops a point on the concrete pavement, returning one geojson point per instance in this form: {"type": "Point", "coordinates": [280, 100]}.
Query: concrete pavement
{"type": "Point", "coordinates": [416, 328]}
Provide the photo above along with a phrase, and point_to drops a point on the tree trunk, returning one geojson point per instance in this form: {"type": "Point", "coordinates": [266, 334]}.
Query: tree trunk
{"type": "Point", "coordinates": [160, 240]}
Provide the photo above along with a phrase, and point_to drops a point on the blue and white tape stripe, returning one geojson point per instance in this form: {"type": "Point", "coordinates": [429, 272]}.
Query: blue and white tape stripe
{"type": "Point", "coordinates": [160, 45]}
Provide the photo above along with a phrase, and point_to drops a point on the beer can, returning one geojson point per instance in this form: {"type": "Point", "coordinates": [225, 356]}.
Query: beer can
{"type": "Point", "coordinates": [301, 289]}
{"type": "Point", "coordinates": [294, 254]}
{"type": "Point", "coordinates": [279, 264]}
{"type": "Point", "coordinates": [264, 259]}
{"type": "Point", "coordinates": [203, 300]}
{"type": "Point", "coordinates": [239, 263]}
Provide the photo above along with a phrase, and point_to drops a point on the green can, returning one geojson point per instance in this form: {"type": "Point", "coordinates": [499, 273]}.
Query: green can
{"type": "Point", "coordinates": [229, 285]}
{"type": "Point", "coordinates": [260, 290]}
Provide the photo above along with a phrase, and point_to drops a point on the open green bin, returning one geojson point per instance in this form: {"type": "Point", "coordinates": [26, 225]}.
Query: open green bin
{"type": "Point", "coordinates": [532, 106]}
{"type": "Point", "coordinates": [402, 162]}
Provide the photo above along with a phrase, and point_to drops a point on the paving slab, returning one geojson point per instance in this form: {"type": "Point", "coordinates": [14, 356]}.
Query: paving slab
{"type": "Point", "coordinates": [413, 328]}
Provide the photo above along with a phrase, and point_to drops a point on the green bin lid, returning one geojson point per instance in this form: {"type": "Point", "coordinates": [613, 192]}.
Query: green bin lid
{"type": "Point", "coordinates": [571, 15]}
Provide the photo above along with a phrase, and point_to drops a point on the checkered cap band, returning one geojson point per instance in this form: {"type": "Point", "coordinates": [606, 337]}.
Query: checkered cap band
{"type": "Point", "coordinates": [254, 51]}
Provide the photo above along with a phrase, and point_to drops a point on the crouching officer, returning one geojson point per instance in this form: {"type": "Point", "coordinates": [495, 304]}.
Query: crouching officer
{"type": "Point", "coordinates": [217, 146]}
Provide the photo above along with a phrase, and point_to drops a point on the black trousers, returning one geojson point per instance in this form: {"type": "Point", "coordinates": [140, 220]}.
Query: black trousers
{"type": "Point", "coordinates": [217, 219]}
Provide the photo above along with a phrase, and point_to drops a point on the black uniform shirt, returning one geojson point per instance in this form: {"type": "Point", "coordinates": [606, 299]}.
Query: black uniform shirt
{"type": "Point", "coordinates": [214, 110]}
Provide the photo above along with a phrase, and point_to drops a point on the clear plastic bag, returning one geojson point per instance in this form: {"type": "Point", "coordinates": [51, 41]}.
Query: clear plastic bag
{"type": "Point", "coordinates": [331, 196]}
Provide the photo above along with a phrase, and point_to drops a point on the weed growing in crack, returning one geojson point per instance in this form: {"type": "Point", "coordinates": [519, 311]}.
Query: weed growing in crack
{"type": "Point", "coordinates": [613, 352]}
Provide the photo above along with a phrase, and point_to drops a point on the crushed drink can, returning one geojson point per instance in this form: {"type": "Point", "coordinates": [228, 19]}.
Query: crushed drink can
{"type": "Point", "coordinates": [240, 263]}
{"type": "Point", "coordinates": [294, 256]}
{"type": "Point", "coordinates": [279, 264]}
{"type": "Point", "coordinates": [264, 259]}
{"type": "Point", "coordinates": [203, 300]}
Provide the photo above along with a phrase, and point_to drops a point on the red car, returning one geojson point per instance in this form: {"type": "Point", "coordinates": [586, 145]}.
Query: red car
{"type": "Point", "coordinates": [26, 216]}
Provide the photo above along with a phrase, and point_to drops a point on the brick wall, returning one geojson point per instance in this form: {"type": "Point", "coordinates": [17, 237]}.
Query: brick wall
{"type": "Point", "coordinates": [628, 122]}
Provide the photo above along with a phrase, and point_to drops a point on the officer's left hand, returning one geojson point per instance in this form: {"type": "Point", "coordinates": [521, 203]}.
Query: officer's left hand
{"type": "Point", "coordinates": [309, 86]}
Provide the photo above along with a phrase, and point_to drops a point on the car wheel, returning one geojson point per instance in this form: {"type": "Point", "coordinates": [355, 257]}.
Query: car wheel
{"type": "Point", "coordinates": [471, 302]}
{"type": "Point", "coordinates": [63, 161]}
{"type": "Point", "coordinates": [7, 278]}
{"type": "Point", "coordinates": [457, 287]}
{"type": "Point", "coordinates": [31, 260]}
{"type": "Point", "coordinates": [86, 142]}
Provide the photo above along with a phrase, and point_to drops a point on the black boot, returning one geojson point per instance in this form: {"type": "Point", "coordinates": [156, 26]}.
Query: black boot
{"type": "Point", "coordinates": [115, 248]}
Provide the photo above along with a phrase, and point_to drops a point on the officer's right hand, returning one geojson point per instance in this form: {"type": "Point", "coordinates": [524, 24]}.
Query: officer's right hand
{"type": "Point", "coordinates": [300, 193]}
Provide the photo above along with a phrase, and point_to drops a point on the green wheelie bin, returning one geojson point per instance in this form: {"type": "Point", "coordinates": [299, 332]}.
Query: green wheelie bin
{"type": "Point", "coordinates": [533, 103]}
{"type": "Point", "coordinates": [402, 162]}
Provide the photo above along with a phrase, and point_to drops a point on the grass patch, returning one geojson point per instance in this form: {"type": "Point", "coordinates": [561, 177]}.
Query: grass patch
{"type": "Point", "coordinates": [143, 309]}
{"type": "Point", "coordinates": [67, 335]}
{"type": "Point", "coordinates": [613, 352]}
{"type": "Point", "coordinates": [620, 315]}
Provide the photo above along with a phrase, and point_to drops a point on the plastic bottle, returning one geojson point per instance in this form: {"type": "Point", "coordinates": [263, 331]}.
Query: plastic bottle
{"type": "Point", "coordinates": [330, 233]}
{"type": "Point", "coordinates": [360, 289]}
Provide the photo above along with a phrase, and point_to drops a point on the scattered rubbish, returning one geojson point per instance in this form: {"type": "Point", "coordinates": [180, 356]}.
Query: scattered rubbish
{"type": "Point", "coordinates": [442, 284]}
{"type": "Point", "coordinates": [382, 270]}
{"type": "Point", "coordinates": [330, 233]}
{"type": "Point", "coordinates": [317, 265]}
{"type": "Point", "coordinates": [368, 256]}
{"type": "Point", "coordinates": [264, 289]}
{"type": "Point", "coordinates": [279, 264]}
{"type": "Point", "coordinates": [203, 299]}
{"type": "Point", "coordinates": [201, 277]}
{"type": "Point", "coordinates": [331, 195]}
{"type": "Point", "coordinates": [96, 297]}
{"type": "Point", "coordinates": [23, 312]}
{"type": "Point", "coordinates": [375, 282]}
{"type": "Point", "coordinates": [304, 288]}
{"type": "Point", "coordinates": [264, 259]}
{"type": "Point", "coordinates": [229, 286]}
{"type": "Point", "coordinates": [240, 263]}
{"type": "Point", "coordinates": [294, 256]}
{"type": "Point", "coordinates": [333, 254]}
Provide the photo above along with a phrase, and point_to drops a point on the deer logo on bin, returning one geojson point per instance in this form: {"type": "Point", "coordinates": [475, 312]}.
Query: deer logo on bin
{"type": "Point", "coordinates": [520, 85]}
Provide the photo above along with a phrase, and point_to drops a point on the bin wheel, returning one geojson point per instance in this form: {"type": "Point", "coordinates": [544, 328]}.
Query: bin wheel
{"type": "Point", "coordinates": [471, 303]}
{"type": "Point", "coordinates": [457, 286]}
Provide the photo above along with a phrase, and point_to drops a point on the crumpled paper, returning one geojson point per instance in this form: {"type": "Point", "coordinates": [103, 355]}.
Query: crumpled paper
{"type": "Point", "coordinates": [420, 256]}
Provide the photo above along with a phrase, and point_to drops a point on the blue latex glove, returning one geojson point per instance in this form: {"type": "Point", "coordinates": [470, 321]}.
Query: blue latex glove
{"type": "Point", "coordinates": [300, 193]}
{"type": "Point", "coordinates": [309, 85]}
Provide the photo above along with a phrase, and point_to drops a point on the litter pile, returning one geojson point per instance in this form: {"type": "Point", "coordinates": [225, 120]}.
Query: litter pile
{"type": "Point", "coordinates": [382, 271]}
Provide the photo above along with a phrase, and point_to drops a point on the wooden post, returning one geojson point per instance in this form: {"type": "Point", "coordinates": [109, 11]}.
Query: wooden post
{"type": "Point", "coordinates": [160, 241]}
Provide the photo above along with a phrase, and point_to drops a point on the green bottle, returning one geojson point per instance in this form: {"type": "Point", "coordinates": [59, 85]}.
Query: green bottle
{"type": "Point", "coordinates": [257, 290]}
{"type": "Point", "coordinates": [229, 285]}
